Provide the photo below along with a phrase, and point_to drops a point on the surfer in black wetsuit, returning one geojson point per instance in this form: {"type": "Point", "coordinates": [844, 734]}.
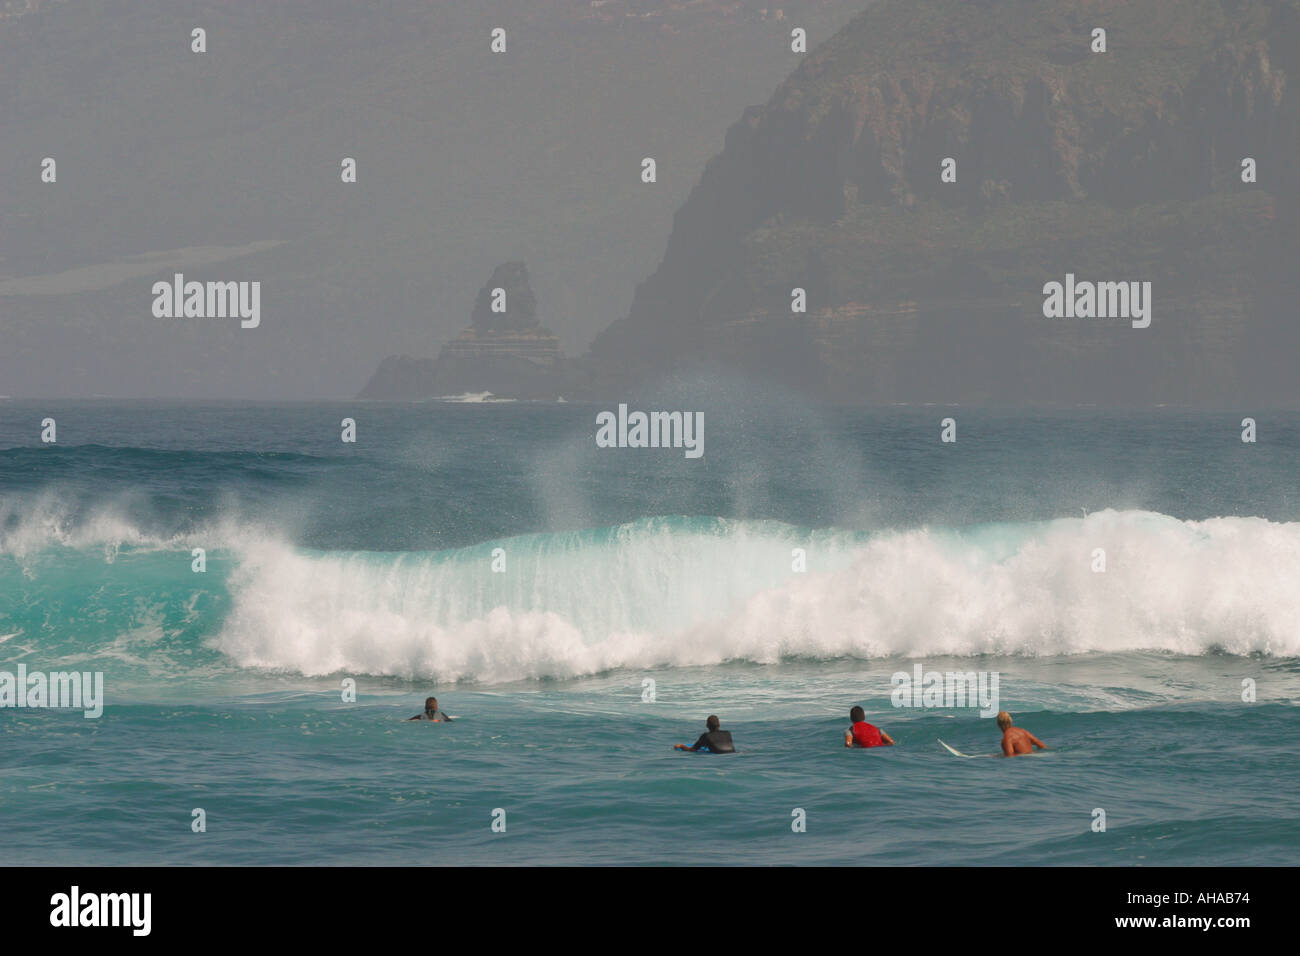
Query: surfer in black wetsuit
{"type": "Point", "coordinates": [712, 741]}
{"type": "Point", "coordinates": [431, 712]}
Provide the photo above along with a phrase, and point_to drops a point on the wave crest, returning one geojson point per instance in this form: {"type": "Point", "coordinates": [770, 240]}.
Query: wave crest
{"type": "Point", "coordinates": [681, 592]}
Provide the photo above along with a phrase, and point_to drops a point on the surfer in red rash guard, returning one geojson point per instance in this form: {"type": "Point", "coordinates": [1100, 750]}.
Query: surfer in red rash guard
{"type": "Point", "coordinates": [863, 734]}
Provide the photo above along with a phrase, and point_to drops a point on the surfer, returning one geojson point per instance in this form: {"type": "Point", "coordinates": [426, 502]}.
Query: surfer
{"type": "Point", "coordinates": [712, 741]}
{"type": "Point", "coordinates": [431, 712]}
{"type": "Point", "coordinates": [1016, 741]}
{"type": "Point", "coordinates": [863, 734]}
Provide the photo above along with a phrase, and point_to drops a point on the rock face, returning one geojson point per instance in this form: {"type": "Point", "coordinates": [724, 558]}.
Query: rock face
{"type": "Point", "coordinates": [506, 352]}
{"type": "Point", "coordinates": [1114, 166]}
{"type": "Point", "coordinates": [400, 378]}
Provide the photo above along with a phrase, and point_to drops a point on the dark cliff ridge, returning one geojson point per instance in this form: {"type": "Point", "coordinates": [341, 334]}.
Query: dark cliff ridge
{"type": "Point", "coordinates": [1115, 166]}
{"type": "Point", "coordinates": [507, 352]}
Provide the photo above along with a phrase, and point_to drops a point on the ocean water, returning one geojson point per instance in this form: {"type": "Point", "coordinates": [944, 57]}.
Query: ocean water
{"type": "Point", "coordinates": [373, 562]}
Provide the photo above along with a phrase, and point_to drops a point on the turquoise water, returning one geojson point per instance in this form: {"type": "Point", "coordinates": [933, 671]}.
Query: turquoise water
{"type": "Point", "coordinates": [373, 562]}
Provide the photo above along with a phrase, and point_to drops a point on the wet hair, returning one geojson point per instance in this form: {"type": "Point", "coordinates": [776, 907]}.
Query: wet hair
{"type": "Point", "coordinates": [857, 714]}
{"type": "Point", "coordinates": [713, 723]}
{"type": "Point", "coordinates": [1004, 720]}
{"type": "Point", "coordinates": [430, 700]}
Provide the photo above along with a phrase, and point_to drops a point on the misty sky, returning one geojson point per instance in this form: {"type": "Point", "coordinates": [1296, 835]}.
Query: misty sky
{"type": "Point", "coordinates": [225, 166]}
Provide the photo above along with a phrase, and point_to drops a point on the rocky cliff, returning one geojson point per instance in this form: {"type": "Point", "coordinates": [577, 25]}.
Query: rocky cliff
{"type": "Point", "coordinates": [1113, 166]}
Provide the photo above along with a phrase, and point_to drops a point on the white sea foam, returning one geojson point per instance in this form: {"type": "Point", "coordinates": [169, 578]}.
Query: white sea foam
{"type": "Point", "coordinates": [677, 592]}
{"type": "Point", "coordinates": [474, 398]}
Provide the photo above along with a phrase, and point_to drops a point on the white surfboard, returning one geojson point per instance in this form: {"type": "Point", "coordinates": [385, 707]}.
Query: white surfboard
{"type": "Point", "coordinates": [953, 751]}
{"type": "Point", "coordinates": [957, 753]}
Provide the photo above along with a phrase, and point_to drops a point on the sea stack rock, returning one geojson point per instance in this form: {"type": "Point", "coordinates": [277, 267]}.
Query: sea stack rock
{"type": "Point", "coordinates": [518, 305]}
{"type": "Point", "coordinates": [505, 350]}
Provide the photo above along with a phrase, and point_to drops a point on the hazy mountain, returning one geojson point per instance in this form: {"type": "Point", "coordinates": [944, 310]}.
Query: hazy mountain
{"type": "Point", "coordinates": [1112, 166]}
